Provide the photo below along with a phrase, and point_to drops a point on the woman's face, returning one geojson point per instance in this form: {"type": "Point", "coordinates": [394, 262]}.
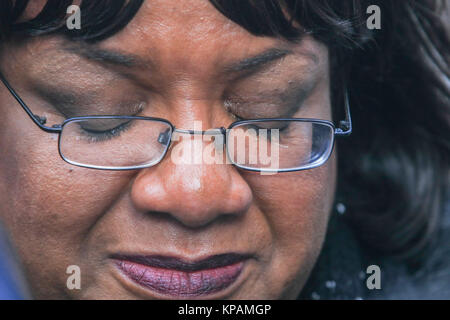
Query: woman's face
{"type": "Point", "coordinates": [172, 230]}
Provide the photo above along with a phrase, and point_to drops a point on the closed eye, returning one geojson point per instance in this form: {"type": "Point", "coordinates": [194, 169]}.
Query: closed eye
{"type": "Point", "coordinates": [100, 134]}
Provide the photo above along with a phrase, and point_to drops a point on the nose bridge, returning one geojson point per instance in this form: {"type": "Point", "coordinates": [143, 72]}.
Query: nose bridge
{"type": "Point", "coordinates": [201, 181]}
{"type": "Point", "coordinates": [212, 131]}
{"type": "Point", "coordinates": [195, 125]}
{"type": "Point", "coordinates": [199, 137]}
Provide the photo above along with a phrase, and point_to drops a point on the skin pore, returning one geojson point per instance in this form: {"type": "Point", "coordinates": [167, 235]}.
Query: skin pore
{"type": "Point", "coordinates": [185, 62]}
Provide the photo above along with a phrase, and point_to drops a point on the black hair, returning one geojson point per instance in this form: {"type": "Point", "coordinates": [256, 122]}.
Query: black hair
{"type": "Point", "coordinates": [394, 169]}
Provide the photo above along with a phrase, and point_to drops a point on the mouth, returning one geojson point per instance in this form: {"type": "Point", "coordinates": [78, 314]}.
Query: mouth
{"type": "Point", "coordinates": [180, 278]}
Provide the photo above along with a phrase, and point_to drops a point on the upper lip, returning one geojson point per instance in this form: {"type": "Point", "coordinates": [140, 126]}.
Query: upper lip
{"type": "Point", "coordinates": [184, 265]}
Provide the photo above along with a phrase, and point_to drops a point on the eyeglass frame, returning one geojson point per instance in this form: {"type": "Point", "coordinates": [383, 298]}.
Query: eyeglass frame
{"type": "Point", "coordinates": [345, 129]}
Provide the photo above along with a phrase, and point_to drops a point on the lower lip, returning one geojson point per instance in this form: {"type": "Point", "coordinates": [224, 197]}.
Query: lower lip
{"type": "Point", "coordinates": [178, 283]}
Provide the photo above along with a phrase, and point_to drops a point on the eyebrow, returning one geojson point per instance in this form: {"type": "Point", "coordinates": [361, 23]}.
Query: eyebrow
{"type": "Point", "coordinates": [257, 62]}
{"type": "Point", "coordinates": [106, 56]}
{"type": "Point", "coordinates": [112, 57]}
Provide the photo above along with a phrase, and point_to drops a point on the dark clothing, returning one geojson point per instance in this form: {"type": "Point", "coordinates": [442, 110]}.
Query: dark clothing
{"type": "Point", "coordinates": [340, 272]}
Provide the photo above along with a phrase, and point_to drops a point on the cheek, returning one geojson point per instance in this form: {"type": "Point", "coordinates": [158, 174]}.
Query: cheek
{"type": "Point", "coordinates": [297, 208]}
{"type": "Point", "coordinates": [49, 206]}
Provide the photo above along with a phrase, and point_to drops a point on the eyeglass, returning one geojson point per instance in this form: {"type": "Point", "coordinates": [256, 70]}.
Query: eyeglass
{"type": "Point", "coordinates": [136, 142]}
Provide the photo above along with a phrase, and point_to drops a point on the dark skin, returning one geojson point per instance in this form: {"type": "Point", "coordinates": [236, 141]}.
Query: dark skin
{"type": "Point", "coordinates": [185, 62]}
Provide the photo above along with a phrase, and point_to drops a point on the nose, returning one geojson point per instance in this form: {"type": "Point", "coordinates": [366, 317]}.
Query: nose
{"type": "Point", "coordinates": [194, 194]}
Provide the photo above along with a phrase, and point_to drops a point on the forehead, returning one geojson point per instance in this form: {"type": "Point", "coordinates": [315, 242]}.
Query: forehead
{"type": "Point", "coordinates": [178, 42]}
{"type": "Point", "coordinates": [191, 34]}
{"type": "Point", "coordinates": [174, 24]}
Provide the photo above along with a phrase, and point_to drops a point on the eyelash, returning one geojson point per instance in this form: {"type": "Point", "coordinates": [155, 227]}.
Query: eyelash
{"type": "Point", "coordinates": [112, 133]}
{"type": "Point", "coordinates": [101, 136]}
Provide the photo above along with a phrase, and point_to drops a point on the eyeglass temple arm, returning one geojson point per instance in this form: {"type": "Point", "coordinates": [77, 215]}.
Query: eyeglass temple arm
{"type": "Point", "coordinates": [39, 121]}
{"type": "Point", "coordinates": [345, 126]}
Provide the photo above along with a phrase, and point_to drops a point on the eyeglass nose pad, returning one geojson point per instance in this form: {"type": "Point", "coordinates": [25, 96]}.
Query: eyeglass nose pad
{"type": "Point", "coordinates": [219, 138]}
{"type": "Point", "coordinates": [219, 142]}
{"type": "Point", "coordinates": [164, 137]}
